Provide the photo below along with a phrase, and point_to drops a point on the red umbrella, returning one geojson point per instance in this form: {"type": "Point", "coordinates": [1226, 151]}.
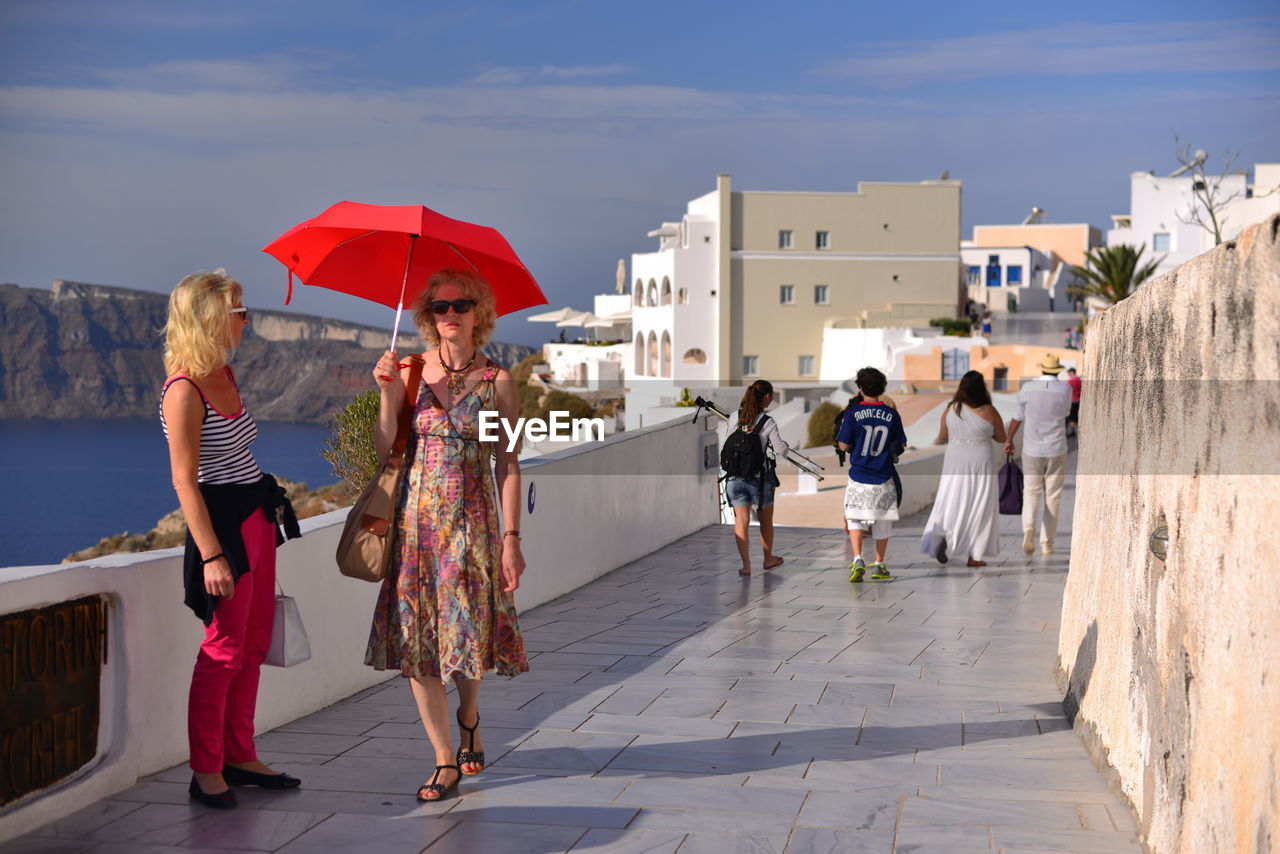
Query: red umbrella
{"type": "Point", "coordinates": [386, 253]}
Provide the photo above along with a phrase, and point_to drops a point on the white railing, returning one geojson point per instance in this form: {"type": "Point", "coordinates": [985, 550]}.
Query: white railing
{"type": "Point", "coordinates": [596, 507]}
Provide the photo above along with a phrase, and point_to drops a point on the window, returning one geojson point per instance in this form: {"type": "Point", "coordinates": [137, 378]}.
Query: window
{"type": "Point", "coordinates": [806, 366]}
{"type": "Point", "coordinates": [683, 296]}
{"type": "Point", "coordinates": [822, 240]}
{"type": "Point", "coordinates": [787, 294]}
{"type": "Point", "coordinates": [784, 239]}
{"type": "Point", "coordinates": [975, 275]}
{"type": "Point", "coordinates": [1000, 380]}
{"type": "Point", "coordinates": [1160, 241]}
{"type": "Point", "coordinates": [1013, 274]}
{"type": "Point", "coordinates": [751, 366]}
{"type": "Point", "coordinates": [954, 364]}
{"type": "Point", "coordinates": [820, 295]}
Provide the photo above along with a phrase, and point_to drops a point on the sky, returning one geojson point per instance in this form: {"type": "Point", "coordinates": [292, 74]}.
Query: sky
{"type": "Point", "coordinates": [142, 140]}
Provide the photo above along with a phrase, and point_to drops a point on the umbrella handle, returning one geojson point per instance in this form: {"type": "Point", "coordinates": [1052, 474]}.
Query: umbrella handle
{"type": "Point", "coordinates": [404, 283]}
{"type": "Point", "coordinates": [395, 330]}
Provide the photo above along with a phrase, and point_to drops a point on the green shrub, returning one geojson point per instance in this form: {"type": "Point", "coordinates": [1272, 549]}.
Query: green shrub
{"type": "Point", "coordinates": [349, 448]}
{"type": "Point", "coordinates": [523, 370]}
{"type": "Point", "coordinates": [685, 400]}
{"type": "Point", "coordinates": [822, 425]}
{"type": "Point", "coordinates": [952, 325]}
{"type": "Point", "coordinates": [529, 396]}
{"type": "Point", "coordinates": [562, 401]}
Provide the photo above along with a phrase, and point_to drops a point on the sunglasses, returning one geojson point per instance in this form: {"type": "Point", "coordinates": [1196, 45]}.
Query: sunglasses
{"type": "Point", "coordinates": [459, 306]}
{"type": "Point", "coordinates": [243, 312]}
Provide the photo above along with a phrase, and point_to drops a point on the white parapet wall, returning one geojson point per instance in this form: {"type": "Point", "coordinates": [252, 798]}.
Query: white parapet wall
{"type": "Point", "coordinates": [595, 508]}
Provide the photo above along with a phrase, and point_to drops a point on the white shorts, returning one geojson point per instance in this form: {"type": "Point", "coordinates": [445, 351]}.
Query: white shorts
{"type": "Point", "coordinates": [870, 501]}
{"type": "Point", "coordinates": [879, 529]}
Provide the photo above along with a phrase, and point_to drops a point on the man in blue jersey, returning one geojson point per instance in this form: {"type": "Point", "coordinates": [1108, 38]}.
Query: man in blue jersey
{"type": "Point", "coordinates": [872, 435]}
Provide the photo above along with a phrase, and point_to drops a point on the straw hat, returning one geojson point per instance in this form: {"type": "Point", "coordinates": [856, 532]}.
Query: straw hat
{"type": "Point", "coordinates": [1050, 364]}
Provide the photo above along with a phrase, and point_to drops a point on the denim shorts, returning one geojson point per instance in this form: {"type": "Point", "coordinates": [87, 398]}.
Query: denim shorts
{"type": "Point", "coordinates": [746, 493]}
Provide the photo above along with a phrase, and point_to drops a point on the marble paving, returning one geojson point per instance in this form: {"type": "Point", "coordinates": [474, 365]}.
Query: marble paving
{"type": "Point", "coordinates": [674, 707]}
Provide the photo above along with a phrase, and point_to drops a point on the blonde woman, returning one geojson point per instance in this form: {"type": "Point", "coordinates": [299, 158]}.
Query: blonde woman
{"type": "Point", "coordinates": [446, 612]}
{"type": "Point", "coordinates": [229, 506]}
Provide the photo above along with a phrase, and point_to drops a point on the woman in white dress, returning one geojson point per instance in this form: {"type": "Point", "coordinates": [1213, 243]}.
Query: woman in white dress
{"type": "Point", "coordinates": [964, 515]}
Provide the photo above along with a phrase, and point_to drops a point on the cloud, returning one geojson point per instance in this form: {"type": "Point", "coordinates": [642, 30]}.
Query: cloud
{"type": "Point", "coordinates": [506, 75]}
{"type": "Point", "coordinates": [266, 73]}
{"type": "Point", "coordinates": [1071, 50]}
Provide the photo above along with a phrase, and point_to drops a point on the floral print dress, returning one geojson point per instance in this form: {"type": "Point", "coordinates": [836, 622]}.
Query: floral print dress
{"type": "Point", "coordinates": [442, 611]}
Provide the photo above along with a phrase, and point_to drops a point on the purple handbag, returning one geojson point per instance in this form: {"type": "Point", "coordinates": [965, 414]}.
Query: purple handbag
{"type": "Point", "coordinates": [1010, 488]}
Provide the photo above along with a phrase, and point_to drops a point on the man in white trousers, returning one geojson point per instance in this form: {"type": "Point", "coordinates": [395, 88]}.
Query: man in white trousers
{"type": "Point", "coordinates": [1043, 404]}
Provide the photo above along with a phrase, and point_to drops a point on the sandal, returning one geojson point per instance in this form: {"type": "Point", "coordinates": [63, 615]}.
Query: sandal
{"type": "Point", "coordinates": [442, 791]}
{"type": "Point", "coordinates": [471, 756]}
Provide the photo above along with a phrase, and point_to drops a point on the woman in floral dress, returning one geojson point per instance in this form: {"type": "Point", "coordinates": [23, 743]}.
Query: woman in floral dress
{"type": "Point", "coordinates": [446, 611]}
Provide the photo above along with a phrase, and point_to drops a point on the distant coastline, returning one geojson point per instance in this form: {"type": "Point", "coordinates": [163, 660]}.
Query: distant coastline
{"type": "Point", "coordinates": [85, 351]}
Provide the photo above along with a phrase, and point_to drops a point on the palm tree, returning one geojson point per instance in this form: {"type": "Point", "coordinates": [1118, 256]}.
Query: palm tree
{"type": "Point", "coordinates": [1111, 273]}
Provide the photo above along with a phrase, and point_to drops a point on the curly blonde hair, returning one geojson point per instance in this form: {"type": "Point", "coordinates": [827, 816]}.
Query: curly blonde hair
{"type": "Point", "coordinates": [195, 333]}
{"type": "Point", "coordinates": [475, 288]}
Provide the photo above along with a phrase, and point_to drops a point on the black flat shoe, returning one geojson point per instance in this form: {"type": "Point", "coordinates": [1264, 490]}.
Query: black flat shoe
{"type": "Point", "coordinates": [221, 801]}
{"type": "Point", "coordinates": [240, 777]}
{"type": "Point", "coordinates": [441, 791]}
{"type": "Point", "coordinates": [470, 756]}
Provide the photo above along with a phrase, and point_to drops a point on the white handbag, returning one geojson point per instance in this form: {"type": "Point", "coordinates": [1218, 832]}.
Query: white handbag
{"type": "Point", "coordinates": [289, 642]}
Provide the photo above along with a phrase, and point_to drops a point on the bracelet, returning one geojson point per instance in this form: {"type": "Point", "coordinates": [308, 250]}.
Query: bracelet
{"type": "Point", "coordinates": [513, 533]}
{"type": "Point", "coordinates": [210, 560]}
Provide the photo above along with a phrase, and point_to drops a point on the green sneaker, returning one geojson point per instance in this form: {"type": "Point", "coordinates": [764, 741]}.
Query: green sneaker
{"type": "Point", "coordinates": [856, 569]}
{"type": "Point", "coordinates": [880, 572]}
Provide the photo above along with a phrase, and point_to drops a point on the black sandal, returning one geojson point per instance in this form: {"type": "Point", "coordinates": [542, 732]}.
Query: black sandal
{"type": "Point", "coordinates": [442, 791]}
{"type": "Point", "coordinates": [469, 757]}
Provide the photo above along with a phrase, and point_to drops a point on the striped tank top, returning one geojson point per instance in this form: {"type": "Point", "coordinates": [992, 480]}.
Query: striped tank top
{"type": "Point", "coordinates": [224, 440]}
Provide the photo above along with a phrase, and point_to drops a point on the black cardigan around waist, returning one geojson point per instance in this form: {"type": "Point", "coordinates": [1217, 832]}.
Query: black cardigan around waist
{"type": "Point", "coordinates": [230, 504]}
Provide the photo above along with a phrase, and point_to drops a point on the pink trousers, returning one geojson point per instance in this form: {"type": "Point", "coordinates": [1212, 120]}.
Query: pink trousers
{"type": "Point", "coordinates": [224, 685]}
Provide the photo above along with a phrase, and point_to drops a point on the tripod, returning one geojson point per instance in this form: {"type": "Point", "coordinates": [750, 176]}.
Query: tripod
{"type": "Point", "coordinates": [792, 456]}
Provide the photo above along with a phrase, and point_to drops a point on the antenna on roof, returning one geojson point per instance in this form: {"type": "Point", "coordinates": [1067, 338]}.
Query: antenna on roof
{"type": "Point", "coordinates": [1033, 217]}
{"type": "Point", "coordinates": [1200, 157]}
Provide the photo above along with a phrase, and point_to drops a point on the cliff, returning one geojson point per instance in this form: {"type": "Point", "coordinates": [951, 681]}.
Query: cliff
{"type": "Point", "coordinates": [92, 351]}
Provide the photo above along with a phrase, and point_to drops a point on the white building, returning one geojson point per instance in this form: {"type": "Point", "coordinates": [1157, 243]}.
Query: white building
{"type": "Point", "coordinates": [1014, 278]}
{"type": "Point", "coordinates": [1161, 212]}
{"type": "Point", "coordinates": [744, 285]}
{"type": "Point", "coordinates": [603, 359]}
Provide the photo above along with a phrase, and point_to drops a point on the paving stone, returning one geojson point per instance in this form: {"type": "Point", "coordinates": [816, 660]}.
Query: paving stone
{"type": "Point", "coordinates": [468, 837]}
{"type": "Point", "coordinates": [828, 840]}
{"type": "Point", "coordinates": [865, 811]}
{"type": "Point", "coordinates": [679, 794]}
{"type": "Point", "coordinates": [991, 812]}
{"type": "Point", "coordinates": [1040, 839]}
{"type": "Point", "coordinates": [602, 840]}
{"type": "Point", "coordinates": [264, 830]}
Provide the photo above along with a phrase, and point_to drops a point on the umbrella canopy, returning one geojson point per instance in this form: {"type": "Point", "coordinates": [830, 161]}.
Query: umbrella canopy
{"type": "Point", "coordinates": [622, 318]}
{"type": "Point", "coordinates": [386, 253]}
{"type": "Point", "coordinates": [577, 318]}
{"type": "Point", "coordinates": [553, 316]}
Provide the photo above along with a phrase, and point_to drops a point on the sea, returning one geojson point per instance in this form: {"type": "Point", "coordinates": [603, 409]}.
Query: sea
{"type": "Point", "coordinates": [64, 485]}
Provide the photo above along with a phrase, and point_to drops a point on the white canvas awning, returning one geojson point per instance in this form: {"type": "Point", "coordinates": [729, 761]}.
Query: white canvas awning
{"type": "Point", "coordinates": [553, 316]}
{"type": "Point", "coordinates": [577, 318]}
{"type": "Point", "coordinates": [622, 318]}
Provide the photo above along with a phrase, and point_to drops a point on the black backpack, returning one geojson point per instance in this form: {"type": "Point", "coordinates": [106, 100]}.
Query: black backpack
{"type": "Point", "coordinates": [742, 456]}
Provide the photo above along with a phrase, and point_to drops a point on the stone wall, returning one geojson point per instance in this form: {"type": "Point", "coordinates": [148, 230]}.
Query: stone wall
{"type": "Point", "coordinates": [1171, 668]}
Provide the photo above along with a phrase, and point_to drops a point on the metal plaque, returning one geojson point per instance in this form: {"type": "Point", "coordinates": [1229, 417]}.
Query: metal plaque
{"type": "Point", "coordinates": [50, 680]}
